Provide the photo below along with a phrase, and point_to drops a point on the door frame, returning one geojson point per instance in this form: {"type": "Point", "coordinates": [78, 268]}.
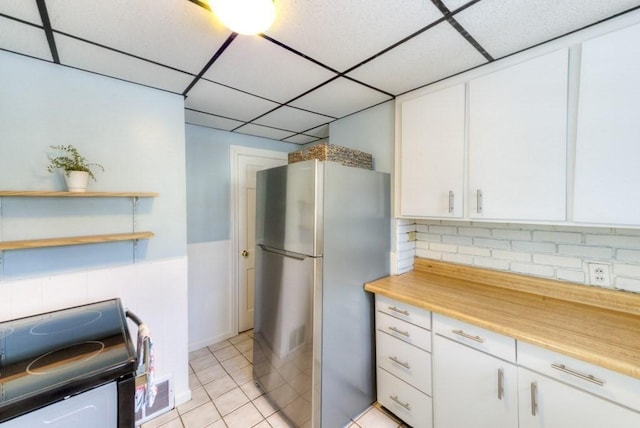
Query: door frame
{"type": "Point", "coordinates": [234, 155]}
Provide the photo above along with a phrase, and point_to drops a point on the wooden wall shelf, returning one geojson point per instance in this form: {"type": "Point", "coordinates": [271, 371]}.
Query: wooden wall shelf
{"type": "Point", "coordinates": [54, 194]}
{"type": "Point", "coordinates": [73, 240]}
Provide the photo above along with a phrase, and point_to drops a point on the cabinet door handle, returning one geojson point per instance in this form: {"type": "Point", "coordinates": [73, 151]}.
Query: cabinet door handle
{"type": "Point", "coordinates": [405, 405]}
{"type": "Point", "coordinates": [451, 201]}
{"type": "Point", "coordinates": [468, 336]}
{"type": "Point", "coordinates": [400, 311]}
{"type": "Point", "coordinates": [587, 377]}
{"type": "Point", "coordinates": [534, 399]}
{"type": "Point", "coordinates": [479, 197]}
{"type": "Point", "coordinates": [500, 384]}
{"type": "Point", "coordinates": [397, 330]}
{"type": "Point", "coordinates": [397, 361]}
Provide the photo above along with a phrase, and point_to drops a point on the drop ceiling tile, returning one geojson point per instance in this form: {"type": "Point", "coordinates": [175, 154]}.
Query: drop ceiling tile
{"type": "Point", "coordinates": [524, 23]}
{"type": "Point", "coordinates": [210, 120]}
{"type": "Point", "coordinates": [293, 119]}
{"type": "Point", "coordinates": [22, 9]}
{"type": "Point", "coordinates": [261, 67]}
{"type": "Point", "coordinates": [220, 100]}
{"type": "Point", "coordinates": [24, 39]}
{"type": "Point", "coordinates": [300, 139]}
{"type": "Point", "coordinates": [86, 56]}
{"type": "Point", "coordinates": [174, 33]}
{"type": "Point", "coordinates": [321, 131]}
{"type": "Point", "coordinates": [341, 34]}
{"type": "Point", "coordinates": [433, 55]}
{"type": "Point", "coordinates": [263, 131]}
{"type": "Point", "coordinates": [340, 97]}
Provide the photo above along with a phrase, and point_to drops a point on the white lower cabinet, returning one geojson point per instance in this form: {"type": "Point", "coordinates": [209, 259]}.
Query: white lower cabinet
{"type": "Point", "coordinates": [403, 342]}
{"type": "Point", "coordinates": [471, 388]}
{"type": "Point", "coordinates": [548, 403]}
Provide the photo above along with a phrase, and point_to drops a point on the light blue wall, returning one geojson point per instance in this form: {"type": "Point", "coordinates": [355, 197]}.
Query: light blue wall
{"type": "Point", "coordinates": [209, 181]}
{"type": "Point", "coordinates": [371, 131]}
{"type": "Point", "coordinates": [135, 132]}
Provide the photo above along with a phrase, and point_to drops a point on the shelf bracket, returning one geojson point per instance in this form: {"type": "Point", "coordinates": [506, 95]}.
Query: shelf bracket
{"type": "Point", "coordinates": [135, 250]}
{"type": "Point", "coordinates": [134, 213]}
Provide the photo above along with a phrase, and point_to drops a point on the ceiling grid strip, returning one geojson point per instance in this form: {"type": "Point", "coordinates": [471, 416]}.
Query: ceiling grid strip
{"type": "Point", "coordinates": [46, 25]}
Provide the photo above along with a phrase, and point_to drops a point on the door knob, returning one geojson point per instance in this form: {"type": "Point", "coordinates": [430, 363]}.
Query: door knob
{"type": "Point", "coordinates": [245, 253]}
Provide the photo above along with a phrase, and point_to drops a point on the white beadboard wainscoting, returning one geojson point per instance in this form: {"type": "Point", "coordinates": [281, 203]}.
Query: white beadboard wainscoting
{"type": "Point", "coordinates": [210, 296]}
{"type": "Point", "coordinates": [556, 252]}
{"type": "Point", "coordinates": [155, 291]}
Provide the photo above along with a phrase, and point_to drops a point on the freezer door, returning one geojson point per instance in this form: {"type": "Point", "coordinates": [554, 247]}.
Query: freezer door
{"type": "Point", "coordinates": [289, 208]}
{"type": "Point", "coordinates": [283, 329]}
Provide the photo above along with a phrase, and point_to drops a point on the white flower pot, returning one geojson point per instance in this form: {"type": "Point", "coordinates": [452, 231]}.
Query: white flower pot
{"type": "Point", "coordinates": [76, 180]}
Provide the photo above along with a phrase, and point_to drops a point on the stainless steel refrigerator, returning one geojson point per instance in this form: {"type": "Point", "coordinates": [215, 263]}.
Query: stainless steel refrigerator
{"type": "Point", "coordinates": [322, 231]}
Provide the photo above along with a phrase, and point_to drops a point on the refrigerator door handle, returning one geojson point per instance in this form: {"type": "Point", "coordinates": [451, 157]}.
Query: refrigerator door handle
{"type": "Point", "coordinates": [284, 253]}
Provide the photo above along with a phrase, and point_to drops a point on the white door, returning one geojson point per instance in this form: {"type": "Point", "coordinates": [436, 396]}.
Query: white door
{"type": "Point", "coordinates": [432, 154]}
{"type": "Point", "coordinates": [518, 141]}
{"type": "Point", "coordinates": [472, 389]}
{"type": "Point", "coordinates": [247, 163]}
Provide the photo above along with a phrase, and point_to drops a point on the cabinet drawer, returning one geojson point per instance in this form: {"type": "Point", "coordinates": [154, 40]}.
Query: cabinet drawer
{"type": "Point", "coordinates": [404, 331]}
{"type": "Point", "coordinates": [484, 340]}
{"type": "Point", "coordinates": [403, 311]}
{"type": "Point", "coordinates": [406, 402]}
{"type": "Point", "coordinates": [589, 377]}
{"type": "Point", "coordinates": [405, 361]}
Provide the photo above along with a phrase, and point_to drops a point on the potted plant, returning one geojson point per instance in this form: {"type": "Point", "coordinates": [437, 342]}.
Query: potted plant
{"type": "Point", "coordinates": [76, 168]}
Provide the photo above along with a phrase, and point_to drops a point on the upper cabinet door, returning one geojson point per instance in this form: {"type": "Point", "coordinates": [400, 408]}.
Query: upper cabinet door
{"type": "Point", "coordinates": [607, 176]}
{"type": "Point", "coordinates": [432, 154]}
{"type": "Point", "coordinates": [518, 141]}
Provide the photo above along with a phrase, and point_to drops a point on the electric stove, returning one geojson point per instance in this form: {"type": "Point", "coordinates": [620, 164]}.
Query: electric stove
{"type": "Point", "coordinates": [50, 357]}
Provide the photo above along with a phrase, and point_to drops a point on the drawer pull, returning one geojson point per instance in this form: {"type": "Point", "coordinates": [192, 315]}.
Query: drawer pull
{"type": "Point", "coordinates": [400, 311]}
{"type": "Point", "coordinates": [397, 330]}
{"type": "Point", "coordinates": [534, 398]}
{"type": "Point", "coordinates": [397, 361]}
{"type": "Point", "coordinates": [468, 336]}
{"type": "Point", "coordinates": [587, 377]}
{"type": "Point", "coordinates": [500, 384]}
{"type": "Point", "coordinates": [405, 405]}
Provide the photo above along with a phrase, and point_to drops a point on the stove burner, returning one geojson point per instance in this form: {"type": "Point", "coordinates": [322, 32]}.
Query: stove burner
{"type": "Point", "coordinates": [62, 325]}
{"type": "Point", "coordinates": [62, 358]}
{"type": "Point", "coordinates": [6, 331]}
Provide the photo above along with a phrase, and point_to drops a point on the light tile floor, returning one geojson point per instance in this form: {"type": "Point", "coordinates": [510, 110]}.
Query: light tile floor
{"type": "Point", "coordinates": [223, 394]}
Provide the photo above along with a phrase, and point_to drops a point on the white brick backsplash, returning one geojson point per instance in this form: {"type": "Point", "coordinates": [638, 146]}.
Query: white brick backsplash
{"type": "Point", "coordinates": [443, 247]}
{"type": "Point", "coordinates": [584, 251]}
{"type": "Point", "coordinates": [405, 228]}
{"type": "Point", "coordinates": [490, 263]}
{"type": "Point", "coordinates": [475, 251]}
{"type": "Point", "coordinates": [547, 251]}
{"type": "Point", "coordinates": [443, 230]}
{"type": "Point", "coordinates": [429, 237]}
{"type": "Point", "coordinates": [516, 235]}
{"type": "Point", "coordinates": [428, 254]}
{"type": "Point", "coordinates": [533, 247]}
{"type": "Point", "coordinates": [626, 270]}
{"type": "Point", "coordinates": [531, 269]}
{"type": "Point", "coordinates": [564, 237]}
{"type": "Point", "coordinates": [458, 240]}
{"type": "Point", "coordinates": [615, 241]}
{"type": "Point", "coordinates": [474, 231]}
{"type": "Point", "coordinates": [491, 243]}
{"type": "Point", "coordinates": [457, 258]}
{"type": "Point", "coordinates": [511, 255]}
{"type": "Point", "coordinates": [570, 275]}
{"type": "Point", "coordinates": [628, 255]}
{"type": "Point", "coordinates": [629, 284]}
{"type": "Point", "coordinates": [545, 259]}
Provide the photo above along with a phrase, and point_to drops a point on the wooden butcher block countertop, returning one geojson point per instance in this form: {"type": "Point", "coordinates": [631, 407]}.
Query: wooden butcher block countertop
{"type": "Point", "coordinates": [596, 325]}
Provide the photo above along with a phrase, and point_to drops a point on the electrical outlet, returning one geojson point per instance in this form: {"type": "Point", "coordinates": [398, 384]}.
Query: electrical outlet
{"type": "Point", "coordinates": [599, 274]}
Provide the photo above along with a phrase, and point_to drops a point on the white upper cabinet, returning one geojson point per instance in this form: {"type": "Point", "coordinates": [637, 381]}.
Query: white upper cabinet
{"type": "Point", "coordinates": [607, 175]}
{"type": "Point", "coordinates": [518, 141]}
{"type": "Point", "coordinates": [432, 154]}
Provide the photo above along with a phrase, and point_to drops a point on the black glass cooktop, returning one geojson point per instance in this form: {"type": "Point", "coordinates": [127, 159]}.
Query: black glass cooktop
{"type": "Point", "coordinates": [47, 357]}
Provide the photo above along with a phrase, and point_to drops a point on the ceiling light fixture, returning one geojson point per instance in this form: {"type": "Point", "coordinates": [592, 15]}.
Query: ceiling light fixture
{"type": "Point", "coordinates": [245, 16]}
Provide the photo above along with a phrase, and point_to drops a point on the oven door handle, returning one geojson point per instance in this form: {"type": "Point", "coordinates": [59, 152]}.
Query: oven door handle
{"type": "Point", "coordinates": [142, 348]}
